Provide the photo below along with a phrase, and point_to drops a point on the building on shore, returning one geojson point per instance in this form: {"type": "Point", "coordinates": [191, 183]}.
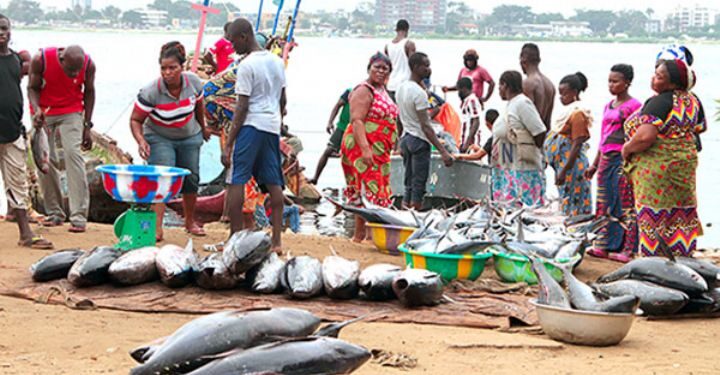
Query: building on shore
{"type": "Point", "coordinates": [152, 17]}
{"type": "Point", "coordinates": [570, 29]}
{"type": "Point", "coordinates": [653, 26]}
{"type": "Point", "coordinates": [686, 18]}
{"type": "Point", "coordinates": [423, 15]}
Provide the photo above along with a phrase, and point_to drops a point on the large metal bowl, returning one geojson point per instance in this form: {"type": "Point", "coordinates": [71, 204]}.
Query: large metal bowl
{"type": "Point", "coordinates": [583, 327]}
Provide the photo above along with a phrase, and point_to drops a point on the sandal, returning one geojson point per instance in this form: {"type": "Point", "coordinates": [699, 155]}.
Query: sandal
{"type": "Point", "coordinates": [620, 257]}
{"type": "Point", "coordinates": [77, 229]}
{"type": "Point", "coordinates": [196, 231]}
{"type": "Point", "coordinates": [37, 243]}
{"type": "Point", "coordinates": [52, 221]}
{"type": "Point", "coordinates": [597, 253]}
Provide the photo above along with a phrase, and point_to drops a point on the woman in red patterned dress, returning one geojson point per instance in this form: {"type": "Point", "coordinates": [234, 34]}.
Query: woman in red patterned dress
{"type": "Point", "coordinates": [368, 141]}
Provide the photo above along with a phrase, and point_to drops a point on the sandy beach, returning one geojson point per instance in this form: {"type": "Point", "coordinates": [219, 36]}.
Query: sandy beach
{"type": "Point", "coordinates": [53, 339]}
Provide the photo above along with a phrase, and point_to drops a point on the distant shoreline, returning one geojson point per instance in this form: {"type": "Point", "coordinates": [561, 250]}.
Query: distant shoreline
{"type": "Point", "coordinates": [644, 40]}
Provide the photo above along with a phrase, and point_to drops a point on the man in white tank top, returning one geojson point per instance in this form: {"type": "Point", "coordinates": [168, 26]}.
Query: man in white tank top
{"type": "Point", "coordinates": [399, 50]}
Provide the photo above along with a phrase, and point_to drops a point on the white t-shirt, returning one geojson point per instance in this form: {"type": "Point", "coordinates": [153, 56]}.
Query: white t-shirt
{"type": "Point", "coordinates": [410, 99]}
{"type": "Point", "coordinates": [520, 113]}
{"type": "Point", "coordinates": [471, 110]}
{"type": "Point", "coordinates": [400, 65]}
{"type": "Point", "coordinates": [261, 76]}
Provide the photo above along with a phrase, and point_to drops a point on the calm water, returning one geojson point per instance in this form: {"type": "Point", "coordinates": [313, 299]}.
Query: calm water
{"type": "Point", "coordinates": [320, 69]}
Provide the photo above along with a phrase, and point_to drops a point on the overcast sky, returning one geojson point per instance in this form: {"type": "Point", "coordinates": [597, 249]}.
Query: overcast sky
{"type": "Point", "coordinates": [484, 6]}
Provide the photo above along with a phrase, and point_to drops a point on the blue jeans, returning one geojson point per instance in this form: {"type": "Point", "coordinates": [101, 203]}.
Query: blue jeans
{"type": "Point", "coordinates": [416, 154]}
{"type": "Point", "coordinates": [181, 153]}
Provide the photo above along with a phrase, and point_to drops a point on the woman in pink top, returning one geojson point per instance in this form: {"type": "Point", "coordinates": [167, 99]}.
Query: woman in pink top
{"type": "Point", "coordinates": [615, 196]}
{"type": "Point", "coordinates": [477, 74]}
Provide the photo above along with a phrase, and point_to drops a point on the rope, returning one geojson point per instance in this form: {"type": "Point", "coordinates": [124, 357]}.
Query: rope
{"type": "Point", "coordinates": [118, 117]}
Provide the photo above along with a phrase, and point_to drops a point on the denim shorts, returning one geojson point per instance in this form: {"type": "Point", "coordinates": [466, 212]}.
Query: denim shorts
{"type": "Point", "coordinates": [256, 154]}
{"type": "Point", "coordinates": [181, 153]}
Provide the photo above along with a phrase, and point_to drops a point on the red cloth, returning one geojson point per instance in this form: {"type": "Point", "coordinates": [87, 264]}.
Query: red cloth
{"type": "Point", "coordinates": [381, 134]}
{"type": "Point", "coordinates": [61, 94]}
{"type": "Point", "coordinates": [223, 51]}
{"type": "Point", "coordinates": [478, 76]}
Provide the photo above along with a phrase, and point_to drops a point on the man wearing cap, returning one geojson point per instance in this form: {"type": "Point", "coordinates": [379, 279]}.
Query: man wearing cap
{"type": "Point", "coordinates": [477, 74]}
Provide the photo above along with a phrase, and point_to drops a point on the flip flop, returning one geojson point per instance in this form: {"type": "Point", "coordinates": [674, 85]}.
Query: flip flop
{"type": "Point", "coordinates": [37, 243]}
{"type": "Point", "coordinates": [77, 229]}
{"type": "Point", "coordinates": [597, 253]}
{"type": "Point", "coordinates": [196, 231]}
{"type": "Point", "coordinates": [620, 257]}
{"type": "Point", "coordinates": [53, 221]}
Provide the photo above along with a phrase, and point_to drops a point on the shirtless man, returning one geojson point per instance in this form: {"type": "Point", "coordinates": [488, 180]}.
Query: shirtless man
{"type": "Point", "coordinates": [536, 85]}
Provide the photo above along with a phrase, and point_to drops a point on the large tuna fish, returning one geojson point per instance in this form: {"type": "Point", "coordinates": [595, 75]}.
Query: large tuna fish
{"type": "Point", "coordinates": [303, 277]}
{"type": "Point", "coordinates": [662, 272]}
{"type": "Point", "coordinates": [381, 215]}
{"type": "Point", "coordinates": [175, 264]}
{"type": "Point", "coordinates": [418, 287]}
{"type": "Point", "coordinates": [709, 271]}
{"type": "Point", "coordinates": [376, 281]}
{"type": "Point", "coordinates": [135, 267]}
{"type": "Point", "coordinates": [92, 268]}
{"type": "Point", "coordinates": [654, 299]}
{"type": "Point", "coordinates": [583, 298]}
{"type": "Point", "coordinates": [192, 344]}
{"type": "Point", "coordinates": [212, 273]}
{"type": "Point", "coordinates": [245, 250]}
{"type": "Point", "coordinates": [340, 277]}
{"type": "Point", "coordinates": [550, 292]}
{"type": "Point", "coordinates": [55, 266]}
{"type": "Point", "coordinates": [306, 356]}
{"type": "Point", "coordinates": [265, 277]}
{"type": "Point", "coordinates": [41, 150]}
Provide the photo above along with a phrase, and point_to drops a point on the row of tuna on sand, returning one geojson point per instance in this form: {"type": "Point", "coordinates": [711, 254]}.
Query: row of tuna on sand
{"type": "Point", "coordinates": [273, 341]}
{"type": "Point", "coordinates": [246, 258]}
{"type": "Point", "coordinates": [658, 286]}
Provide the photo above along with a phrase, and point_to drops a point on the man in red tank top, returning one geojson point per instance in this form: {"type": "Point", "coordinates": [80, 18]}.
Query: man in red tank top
{"type": "Point", "coordinates": [62, 97]}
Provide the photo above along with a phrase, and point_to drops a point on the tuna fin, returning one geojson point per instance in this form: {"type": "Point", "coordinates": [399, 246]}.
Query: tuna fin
{"type": "Point", "coordinates": [142, 353]}
{"type": "Point", "coordinates": [333, 329]}
{"type": "Point", "coordinates": [664, 248]}
{"type": "Point", "coordinates": [332, 251]}
{"type": "Point", "coordinates": [338, 207]}
{"type": "Point", "coordinates": [520, 233]}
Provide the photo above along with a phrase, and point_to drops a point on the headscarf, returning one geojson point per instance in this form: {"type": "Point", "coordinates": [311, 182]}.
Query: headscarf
{"type": "Point", "coordinates": [681, 74]}
{"type": "Point", "coordinates": [675, 52]}
{"type": "Point", "coordinates": [380, 57]}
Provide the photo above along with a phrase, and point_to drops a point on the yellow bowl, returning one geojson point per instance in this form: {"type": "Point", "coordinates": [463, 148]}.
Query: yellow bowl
{"type": "Point", "coordinates": [387, 238]}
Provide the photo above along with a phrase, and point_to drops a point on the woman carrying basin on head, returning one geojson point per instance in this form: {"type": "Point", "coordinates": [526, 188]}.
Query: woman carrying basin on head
{"type": "Point", "coordinates": [518, 136]}
{"type": "Point", "coordinates": [168, 123]}
{"type": "Point", "coordinates": [368, 141]}
{"type": "Point", "coordinates": [614, 194]}
{"type": "Point", "coordinates": [566, 145]}
{"type": "Point", "coordinates": [661, 160]}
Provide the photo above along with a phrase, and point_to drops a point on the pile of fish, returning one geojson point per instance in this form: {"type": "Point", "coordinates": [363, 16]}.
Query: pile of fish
{"type": "Point", "coordinates": [676, 285]}
{"type": "Point", "coordinates": [504, 228]}
{"type": "Point", "coordinates": [579, 296]}
{"type": "Point", "coordinates": [658, 286]}
{"type": "Point", "coordinates": [248, 261]}
{"type": "Point", "coordinates": [273, 341]}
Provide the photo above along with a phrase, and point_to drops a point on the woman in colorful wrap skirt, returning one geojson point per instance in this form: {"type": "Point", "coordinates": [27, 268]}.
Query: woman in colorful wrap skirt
{"type": "Point", "coordinates": [614, 194]}
{"type": "Point", "coordinates": [661, 160]}
{"type": "Point", "coordinates": [516, 157]}
{"type": "Point", "coordinates": [566, 145]}
{"type": "Point", "coordinates": [368, 141]}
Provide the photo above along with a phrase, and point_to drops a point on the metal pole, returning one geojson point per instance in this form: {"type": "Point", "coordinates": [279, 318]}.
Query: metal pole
{"type": "Point", "coordinates": [277, 16]}
{"type": "Point", "coordinates": [294, 20]}
{"type": "Point", "coordinates": [259, 17]}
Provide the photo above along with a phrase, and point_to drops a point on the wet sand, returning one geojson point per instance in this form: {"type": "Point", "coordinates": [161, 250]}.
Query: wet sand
{"type": "Point", "coordinates": [50, 339]}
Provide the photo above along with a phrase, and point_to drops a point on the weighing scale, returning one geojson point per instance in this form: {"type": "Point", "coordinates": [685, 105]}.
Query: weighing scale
{"type": "Point", "coordinates": [140, 186]}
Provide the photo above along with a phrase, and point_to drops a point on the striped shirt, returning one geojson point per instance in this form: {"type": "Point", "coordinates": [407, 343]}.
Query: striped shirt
{"type": "Point", "coordinates": [168, 116]}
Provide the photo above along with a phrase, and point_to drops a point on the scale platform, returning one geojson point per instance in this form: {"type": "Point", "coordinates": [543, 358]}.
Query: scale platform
{"type": "Point", "coordinates": [141, 186]}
